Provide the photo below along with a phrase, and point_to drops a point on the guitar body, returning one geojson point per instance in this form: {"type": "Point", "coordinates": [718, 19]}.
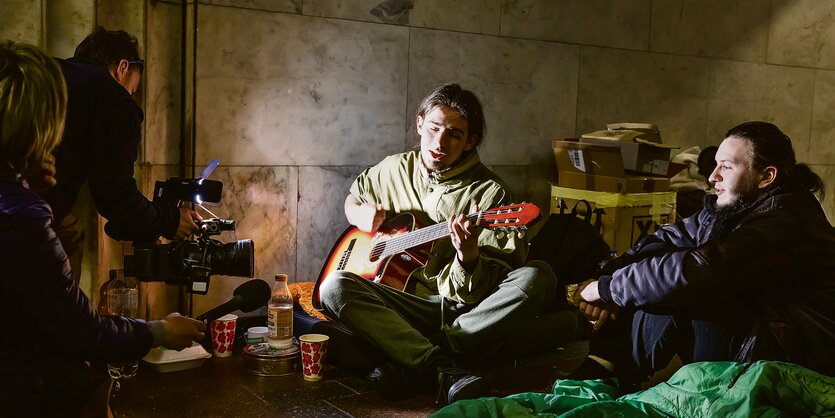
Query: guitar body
{"type": "Point", "coordinates": [390, 256]}
{"type": "Point", "coordinates": [355, 251]}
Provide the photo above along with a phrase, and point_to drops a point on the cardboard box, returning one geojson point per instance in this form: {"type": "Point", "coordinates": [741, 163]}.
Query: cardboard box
{"type": "Point", "coordinates": [596, 167]}
{"type": "Point", "coordinates": [572, 155]}
{"type": "Point", "coordinates": [626, 184]}
{"type": "Point", "coordinates": [623, 219]}
{"type": "Point", "coordinates": [643, 157]}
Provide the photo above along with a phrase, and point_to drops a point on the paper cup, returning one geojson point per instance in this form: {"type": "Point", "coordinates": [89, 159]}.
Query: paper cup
{"type": "Point", "coordinates": [223, 334]}
{"type": "Point", "coordinates": [314, 348]}
{"type": "Point", "coordinates": [255, 335]}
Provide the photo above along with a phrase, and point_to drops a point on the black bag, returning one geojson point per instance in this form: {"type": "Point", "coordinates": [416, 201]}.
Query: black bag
{"type": "Point", "coordinates": [571, 245]}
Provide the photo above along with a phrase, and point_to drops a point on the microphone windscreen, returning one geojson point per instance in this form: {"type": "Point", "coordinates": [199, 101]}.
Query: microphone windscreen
{"type": "Point", "coordinates": [254, 293]}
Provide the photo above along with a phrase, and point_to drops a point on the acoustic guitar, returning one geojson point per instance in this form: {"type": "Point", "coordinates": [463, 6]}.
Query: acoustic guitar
{"type": "Point", "coordinates": [400, 246]}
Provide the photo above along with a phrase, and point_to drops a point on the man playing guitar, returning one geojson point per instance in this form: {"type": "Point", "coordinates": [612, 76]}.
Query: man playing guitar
{"type": "Point", "coordinates": [471, 297]}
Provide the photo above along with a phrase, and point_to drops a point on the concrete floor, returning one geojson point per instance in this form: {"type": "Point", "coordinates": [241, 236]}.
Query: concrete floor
{"type": "Point", "coordinates": [221, 388]}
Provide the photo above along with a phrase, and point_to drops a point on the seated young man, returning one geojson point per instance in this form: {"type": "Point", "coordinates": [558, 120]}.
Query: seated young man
{"type": "Point", "coordinates": [472, 296]}
{"type": "Point", "coordinates": [750, 277]}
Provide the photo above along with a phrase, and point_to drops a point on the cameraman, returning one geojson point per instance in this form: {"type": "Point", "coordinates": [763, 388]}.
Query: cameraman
{"type": "Point", "coordinates": [48, 325]}
{"type": "Point", "coordinates": [100, 143]}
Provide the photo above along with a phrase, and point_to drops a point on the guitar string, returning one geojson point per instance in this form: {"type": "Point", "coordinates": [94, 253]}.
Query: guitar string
{"type": "Point", "coordinates": [427, 234]}
{"type": "Point", "coordinates": [400, 243]}
{"type": "Point", "coordinates": [413, 238]}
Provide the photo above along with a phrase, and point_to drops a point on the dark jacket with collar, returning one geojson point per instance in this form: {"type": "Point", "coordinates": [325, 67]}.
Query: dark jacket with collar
{"type": "Point", "coordinates": [100, 143]}
{"type": "Point", "coordinates": [776, 262]}
{"type": "Point", "coordinates": [48, 327]}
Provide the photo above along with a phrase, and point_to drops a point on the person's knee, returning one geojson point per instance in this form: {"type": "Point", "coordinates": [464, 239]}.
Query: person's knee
{"type": "Point", "coordinates": [535, 277]}
{"type": "Point", "coordinates": [333, 289]}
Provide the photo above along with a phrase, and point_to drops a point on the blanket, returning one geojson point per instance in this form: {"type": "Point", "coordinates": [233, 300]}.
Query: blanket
{"type": "Point", "coordinates": [706, 389]}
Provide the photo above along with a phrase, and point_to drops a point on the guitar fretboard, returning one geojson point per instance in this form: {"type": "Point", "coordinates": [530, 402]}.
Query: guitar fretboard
{"type": "Point", "coordinates": [421, 236]}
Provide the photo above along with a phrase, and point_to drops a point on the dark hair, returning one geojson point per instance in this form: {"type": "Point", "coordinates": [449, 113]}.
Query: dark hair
{"type": "Point", "coordinates": [707, 160]}
{"type": "Point", "coordinates": [108, 47]}
{"type": "Point", "coordinates": [771, 147]}
{"type": "Point", "coordinates": [462, 101]}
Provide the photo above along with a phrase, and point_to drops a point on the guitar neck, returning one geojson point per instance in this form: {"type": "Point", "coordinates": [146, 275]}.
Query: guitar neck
{"type": "Point", "coordinates": [418, 237]}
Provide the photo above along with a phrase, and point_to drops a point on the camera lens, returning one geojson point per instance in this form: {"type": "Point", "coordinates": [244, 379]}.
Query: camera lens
{"type": "Point", "coordinates": [233, 258]}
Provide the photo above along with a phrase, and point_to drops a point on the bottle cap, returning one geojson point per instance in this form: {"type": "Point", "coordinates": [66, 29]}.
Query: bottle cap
{"type": "Point", "coordinates": [281, 277]}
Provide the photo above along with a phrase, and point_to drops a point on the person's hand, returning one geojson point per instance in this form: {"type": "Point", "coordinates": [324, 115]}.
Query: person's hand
{"type": "Point", "coordinates": [180, 331]}
{"type": "Point", "coordinates": [370, 217]}
{"type": "Point", "coordinates": [464, 235]}
{"type": "Point", "coordinates": [587, 298]}
{"type": "Point", "coordinates": [45, 178]}
{"type": "Point", "coordinates": [188, 224]}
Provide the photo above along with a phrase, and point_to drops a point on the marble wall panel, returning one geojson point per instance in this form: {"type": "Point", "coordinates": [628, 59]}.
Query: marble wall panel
{"type": "Point", "coordinates": [67, 23]}
{"type": "Point", "coordinates": [24, 24]}
{"type": "Point", "coordinates": [127, 15]}
{"type": "Point", "coordinates": [821, 146]}
{"type": "Point", "coordinates": [527, 88]}
{"type": "Point", "coordinates": [741, 92]}
{"type": "Point", "coordinates": [287, 6]}
{"type": "Point", "coordinates": [476, 16]}
{"type": "Point", "coordinates": [314, 92]}
{"type": "Point", "coordinates": [711, 28]}
{"type": "Point", "coordinates": [802, 33]}
{"type": "Point", "coordinates": [322, 192]}
{"type": "Point", "coordinates": [612, 23]}
{"type": "Point", "coordinates": [627, 86]}
{"type": "Point", "coordinates": [529, 183]}
{"type": "Point", "coordinates": [263, 203]}
{"type": "Point", "coordinates": [163, 80]}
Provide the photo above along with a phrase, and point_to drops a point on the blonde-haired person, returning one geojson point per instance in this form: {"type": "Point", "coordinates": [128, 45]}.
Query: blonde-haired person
{"type": "Point", "coordinates": [49, 329]}
{"type": "Point", "coordinates": [32, 110]}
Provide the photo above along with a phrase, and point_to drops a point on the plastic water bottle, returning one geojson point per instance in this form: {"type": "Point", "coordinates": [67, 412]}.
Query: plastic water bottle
{"type": "Point", "coordinates": [122, 299]}
{"type": "Point", "coordinates": [280, 315]}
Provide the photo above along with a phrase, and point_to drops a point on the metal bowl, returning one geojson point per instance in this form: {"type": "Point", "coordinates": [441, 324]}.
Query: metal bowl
{"type": "Point", "coordinates": [262, 360]}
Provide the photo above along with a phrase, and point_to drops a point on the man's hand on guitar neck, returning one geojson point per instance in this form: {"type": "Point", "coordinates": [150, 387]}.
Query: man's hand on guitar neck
{"type": "Point", "coordinates": [366, 217]}
{"type": "Point", "coordinates": [464, 235]}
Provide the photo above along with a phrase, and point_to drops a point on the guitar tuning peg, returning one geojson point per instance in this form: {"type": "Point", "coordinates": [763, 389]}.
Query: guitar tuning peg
{"type": "Point", "coordinates": [520, 234]}
{"type": "Point", "coordinates": [500, 235]}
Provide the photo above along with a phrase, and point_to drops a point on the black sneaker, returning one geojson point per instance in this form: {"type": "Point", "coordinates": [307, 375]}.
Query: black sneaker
{"type": "Point", "coordinates": [394, 382]}
{"type": "Point", "coordinates": [455, 384]}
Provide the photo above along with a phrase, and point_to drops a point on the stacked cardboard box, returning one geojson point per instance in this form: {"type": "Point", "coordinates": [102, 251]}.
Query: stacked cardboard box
{"type": "Point", "coordinates": [640, 146]}
{"type": "Point", "coordinates": [596, 167]}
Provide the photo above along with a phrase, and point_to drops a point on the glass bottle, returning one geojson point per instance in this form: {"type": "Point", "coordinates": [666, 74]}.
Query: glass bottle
{"type": "Point", "coordinates": [280, 315]}
{"type": "Point", "coordinates": [122, 299]}
{"type": "Point", "coordinates": [101, 308]}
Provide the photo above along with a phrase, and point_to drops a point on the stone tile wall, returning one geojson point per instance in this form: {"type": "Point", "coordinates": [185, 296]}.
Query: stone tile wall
{"type": "Point", "coordinates": [332, 86]}
{"type": "Point", "coordinates": [296, 97]}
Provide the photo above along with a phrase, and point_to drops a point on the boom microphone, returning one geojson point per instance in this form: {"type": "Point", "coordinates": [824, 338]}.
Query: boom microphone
{"type": "Point", "coordinates": [247, 297]}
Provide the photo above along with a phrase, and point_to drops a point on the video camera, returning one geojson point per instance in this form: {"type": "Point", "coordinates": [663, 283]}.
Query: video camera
{"type": "Point", "coordinates": [192, 262]}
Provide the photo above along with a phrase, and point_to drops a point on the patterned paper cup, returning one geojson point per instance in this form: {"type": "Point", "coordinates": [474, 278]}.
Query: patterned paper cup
{"type": "Point", "coordinates": [314, 348]}
{"type": "Point", "coordinates": [223, 334]}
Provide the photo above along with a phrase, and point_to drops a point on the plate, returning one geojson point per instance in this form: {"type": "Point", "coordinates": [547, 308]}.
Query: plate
{"type": "Point", "coordinates": [164, 360]}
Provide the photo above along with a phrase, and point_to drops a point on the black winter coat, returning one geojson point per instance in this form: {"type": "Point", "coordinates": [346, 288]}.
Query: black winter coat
{"type": "Point", "coordinates": [100, 143]}
{"type": "Point", "coordinates": [47, 327]}
{"type": "Point", "coordinates": [776, 264]}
